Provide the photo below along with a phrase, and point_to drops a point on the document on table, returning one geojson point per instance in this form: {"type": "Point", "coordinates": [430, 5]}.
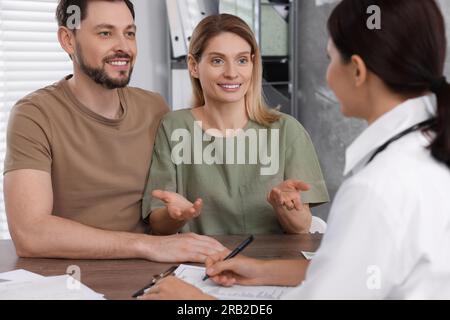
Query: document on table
{"type": "Point", "coordinates": [24, 285]}
{"type": "Point", "coordinates": [19, 275]}
{"type": "Point", "coordinates": [194, 276]}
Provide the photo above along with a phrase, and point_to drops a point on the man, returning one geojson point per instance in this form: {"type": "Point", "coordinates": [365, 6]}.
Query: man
{"type": "Point", "coordinates": [78, 151]}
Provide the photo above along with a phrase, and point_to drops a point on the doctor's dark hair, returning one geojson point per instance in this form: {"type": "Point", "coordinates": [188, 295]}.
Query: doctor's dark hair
{"type": "Point", "coordinates": [62, 15]}
{"type": "Point", "coordinates": [408, 52]}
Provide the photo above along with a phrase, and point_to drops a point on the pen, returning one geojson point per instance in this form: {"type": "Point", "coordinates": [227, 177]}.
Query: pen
{"type": "Point", "coordinates": [236, 251]}
{"type": "Point", "coordinates": [154, 280]}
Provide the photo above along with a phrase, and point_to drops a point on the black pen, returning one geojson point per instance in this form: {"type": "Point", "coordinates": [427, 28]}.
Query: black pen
{"type": "Point", "coordinates": [154, 280]}
{"type": "Point", "coordinates": [236, 251]}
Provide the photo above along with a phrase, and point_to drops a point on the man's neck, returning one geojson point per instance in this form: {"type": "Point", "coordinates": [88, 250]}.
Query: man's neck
{"type": "Point", "coordinates": [94, 96]}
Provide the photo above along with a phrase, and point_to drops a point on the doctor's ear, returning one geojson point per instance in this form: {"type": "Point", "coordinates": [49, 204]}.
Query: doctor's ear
{"type": "Point", "coordinates": [359, 70]}
{"type": "Point", "coordinates": [193, 66]}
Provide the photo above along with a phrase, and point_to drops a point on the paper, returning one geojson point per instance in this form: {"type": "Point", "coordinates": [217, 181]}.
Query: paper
{"type": "Point", "coordinates": [19, 275]}
{"type": "Point", "coordinates": [308, 255]}
{"type": "Point", "coordinates": [25, 285]}
{"type": "Point", "coordinates": [194, 276]}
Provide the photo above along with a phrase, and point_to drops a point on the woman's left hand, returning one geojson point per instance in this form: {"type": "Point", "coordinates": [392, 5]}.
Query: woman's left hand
{"type": "Point", "coordinates": [172, 288]}
{"type": "Point", "coordinates": [287, 194]}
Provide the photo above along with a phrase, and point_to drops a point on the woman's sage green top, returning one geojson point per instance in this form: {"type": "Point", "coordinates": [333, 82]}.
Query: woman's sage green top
{"type": "Point", "coordinates": [232, 175]}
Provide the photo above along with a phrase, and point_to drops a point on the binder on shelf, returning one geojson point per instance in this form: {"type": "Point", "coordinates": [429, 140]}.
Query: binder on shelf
{"type": "Point", "coordinates": [179, 48]}
{"type": "Point", "coordinates": [190, 17]}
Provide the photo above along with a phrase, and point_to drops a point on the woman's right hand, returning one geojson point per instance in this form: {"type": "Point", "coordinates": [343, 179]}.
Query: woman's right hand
{"type": "Point", "coordinates": [238, 270]}
{"type": "Point", "coordinates": [178, 207]}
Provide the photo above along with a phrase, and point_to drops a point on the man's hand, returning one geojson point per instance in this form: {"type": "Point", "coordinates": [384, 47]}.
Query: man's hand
{"type": "Point", "coordinates": [178, 207]}
{"type": "Point", "coordinates": [186, 247]}
{"type": "Point", "coordinates": [287, 195]}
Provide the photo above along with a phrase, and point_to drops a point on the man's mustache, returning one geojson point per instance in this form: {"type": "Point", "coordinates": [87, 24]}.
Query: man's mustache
{"type": "Point", "coordinates": [118, 56]}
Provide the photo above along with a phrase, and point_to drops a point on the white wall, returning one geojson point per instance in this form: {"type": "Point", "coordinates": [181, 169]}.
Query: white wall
{"type": "Point", "coordinates": [152, 65]}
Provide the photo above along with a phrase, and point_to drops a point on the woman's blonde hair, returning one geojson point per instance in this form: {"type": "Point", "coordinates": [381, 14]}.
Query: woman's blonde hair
{"type": "Point", "coordinates": [213, 26]}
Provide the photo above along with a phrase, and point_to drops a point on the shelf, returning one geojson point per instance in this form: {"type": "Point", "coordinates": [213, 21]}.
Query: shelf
{"type": "Point", "coordinates": [271, 4]}
{"type": "Point", "coordinates": [275, 83]}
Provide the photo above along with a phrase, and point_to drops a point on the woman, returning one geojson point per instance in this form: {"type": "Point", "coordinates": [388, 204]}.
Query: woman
{"type": "Point", "coordinates": [214, 165]}
{"type": "Point", "coordinates": [388, 232]}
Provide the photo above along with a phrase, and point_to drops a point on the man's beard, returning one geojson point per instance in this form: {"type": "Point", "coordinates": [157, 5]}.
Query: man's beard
{"type": "Point", "coordinates": [100, 76]}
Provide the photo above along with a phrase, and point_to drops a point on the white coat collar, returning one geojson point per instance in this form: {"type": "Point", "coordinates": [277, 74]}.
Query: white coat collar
{"type": "Point", "coordinates": [402, 117]}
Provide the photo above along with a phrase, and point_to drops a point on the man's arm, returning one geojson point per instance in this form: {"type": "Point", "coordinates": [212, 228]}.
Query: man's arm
{"type": "Point", "coordinates": [37, 233]}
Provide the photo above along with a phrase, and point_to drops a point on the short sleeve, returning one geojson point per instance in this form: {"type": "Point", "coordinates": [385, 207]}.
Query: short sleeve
{"type": "Point", "coordinates": [162, 174]}
{"type": "Point", "coordinates": [28, 139]}
{"type": "Point", "coordinates": [301, 163]}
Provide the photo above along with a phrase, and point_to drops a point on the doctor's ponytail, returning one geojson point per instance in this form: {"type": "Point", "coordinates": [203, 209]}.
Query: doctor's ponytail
{"type": "Point", "coordinates": [440, 147]}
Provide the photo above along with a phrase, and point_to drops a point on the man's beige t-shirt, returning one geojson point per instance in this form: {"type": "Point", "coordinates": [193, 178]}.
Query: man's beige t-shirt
{"type": "Point", "coordinates": [98, 165]}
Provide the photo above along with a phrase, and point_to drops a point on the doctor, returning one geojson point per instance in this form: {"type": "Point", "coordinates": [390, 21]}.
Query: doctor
{"type": "Point", "coordinates": [388, 233]}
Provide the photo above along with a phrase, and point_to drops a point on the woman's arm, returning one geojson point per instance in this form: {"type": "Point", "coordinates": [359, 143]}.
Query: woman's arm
{"type": "Point", "coordinates": [294, 221]}
{"type": "Point", "coordinates": [293, 215]}
{"type": "Point", "coordinates": [249, 271]}
{"type": "Point", "coordinates": [162, 224]}
{"type": "Point", "coordinates": [239, 270]}
{"type": "Point", "coordinates": [178, 210]}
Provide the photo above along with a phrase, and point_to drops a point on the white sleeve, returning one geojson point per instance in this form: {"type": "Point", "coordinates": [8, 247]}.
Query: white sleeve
{"type": "Point", "coordinates": [357, 256]}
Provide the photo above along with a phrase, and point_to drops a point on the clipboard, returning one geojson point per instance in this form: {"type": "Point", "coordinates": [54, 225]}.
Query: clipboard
{"type": "Point", "coordinates": [154, 280]}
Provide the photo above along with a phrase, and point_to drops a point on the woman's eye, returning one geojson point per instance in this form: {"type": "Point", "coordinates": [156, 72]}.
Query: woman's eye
{"type": "Point", "coordinates": [217, 61]}
{"type": "Point", "coordinates": [243, 61]}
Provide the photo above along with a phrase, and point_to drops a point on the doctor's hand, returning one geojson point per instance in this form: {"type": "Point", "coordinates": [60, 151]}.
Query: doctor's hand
{"type": "Point", "coordinates": [287, 195]}
{"type": "Point", "coordinates": [172, 288]}
{"type": "Point", "coordinates": [238, 270]}
{"type": "Point", "coordinates": [178, 207]}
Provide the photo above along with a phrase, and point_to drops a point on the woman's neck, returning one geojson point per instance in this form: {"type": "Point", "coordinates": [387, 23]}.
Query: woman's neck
{"type": "Point", "coordinates": [381, 107]}
{"type": "Point", "coordinates": [381, 100]}
{"type": "Point", "coordinates": [222, 116]}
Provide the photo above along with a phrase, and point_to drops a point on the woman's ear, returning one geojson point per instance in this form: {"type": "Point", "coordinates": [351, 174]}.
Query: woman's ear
{"type": "Point", "coordinates": [66, 39]}
{"type": "Point", "coordinates": [193, 66]}
{"type": "Point", "coordinates": [359, 70]}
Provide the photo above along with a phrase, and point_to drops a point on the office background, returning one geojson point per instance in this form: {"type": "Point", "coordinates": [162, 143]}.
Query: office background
{"type": "Point", "coordinates": [25, 66]}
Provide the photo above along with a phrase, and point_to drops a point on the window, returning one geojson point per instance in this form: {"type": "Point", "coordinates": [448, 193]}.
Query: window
{"type": "Point", "coordinates": [30, 58]}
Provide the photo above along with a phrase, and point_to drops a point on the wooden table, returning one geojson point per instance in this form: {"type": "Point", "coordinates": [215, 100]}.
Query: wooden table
{"type": "Point", "coordinates": [119, 279]}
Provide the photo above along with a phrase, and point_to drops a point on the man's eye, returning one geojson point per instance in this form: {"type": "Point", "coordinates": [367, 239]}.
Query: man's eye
{"type": "Point", "coordinates": [131, 34]}
{"type": "Point", "coordinates": [104, 33]}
